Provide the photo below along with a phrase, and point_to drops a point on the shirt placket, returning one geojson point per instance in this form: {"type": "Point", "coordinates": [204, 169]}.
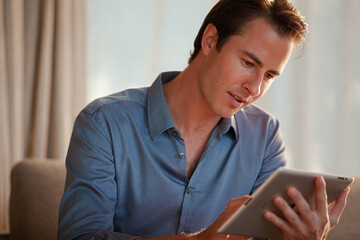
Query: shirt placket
{"type": "Point", "coordinates": [189, 191]}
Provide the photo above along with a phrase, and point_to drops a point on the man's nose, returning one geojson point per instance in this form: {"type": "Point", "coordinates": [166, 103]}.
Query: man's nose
{"type": "Point", "coordinates": [253, 85]}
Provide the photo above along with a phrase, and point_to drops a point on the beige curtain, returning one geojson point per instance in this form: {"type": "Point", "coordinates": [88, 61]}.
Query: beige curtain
{"type": "Point", "coordinates": [42, 82]}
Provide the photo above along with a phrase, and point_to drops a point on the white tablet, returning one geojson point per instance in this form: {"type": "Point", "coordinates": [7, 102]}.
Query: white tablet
{"type": "Point", "coordinates": [249, 219]}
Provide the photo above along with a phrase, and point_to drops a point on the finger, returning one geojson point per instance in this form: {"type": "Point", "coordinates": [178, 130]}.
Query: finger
{"type": "Point", "coordinates": [338, 207]}
{"type": "Point", "coordinates": [321, 204]}
{"type": "Point", "coordinates": [279, 222]}
{"type": "Point", "coordinates": [231, 207]}
{"type": "Point", "coordinates": [235, 203]}
{"type": "Point", "coordinates": [302, 206]}
{"type": "Point", "coordinates": [291, 216]}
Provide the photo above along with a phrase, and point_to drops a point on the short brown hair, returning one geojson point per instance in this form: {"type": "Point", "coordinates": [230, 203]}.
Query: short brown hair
{"type": "Point", "coordinates": [229, 17]}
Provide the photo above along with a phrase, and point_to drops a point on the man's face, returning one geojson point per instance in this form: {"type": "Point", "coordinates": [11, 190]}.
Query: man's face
{"type": "Point", "coordinates": [243, 70]}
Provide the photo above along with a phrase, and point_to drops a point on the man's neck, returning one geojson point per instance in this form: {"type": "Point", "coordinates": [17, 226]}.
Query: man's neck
{"type": "Point", "coordinates": [188, 109]}
{"type": "Point", "coordinates": [191, 115]}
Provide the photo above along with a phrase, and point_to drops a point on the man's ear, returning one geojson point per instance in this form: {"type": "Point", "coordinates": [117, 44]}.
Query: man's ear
{"type": "Point", "coordinates": [209, 39]}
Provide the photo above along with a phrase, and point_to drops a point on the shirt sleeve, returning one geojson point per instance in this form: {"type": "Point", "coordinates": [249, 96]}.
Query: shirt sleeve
{"type": "Point", "coordinates": [274, 154]}
{"type": "Point", "coordinates": [88, 204]}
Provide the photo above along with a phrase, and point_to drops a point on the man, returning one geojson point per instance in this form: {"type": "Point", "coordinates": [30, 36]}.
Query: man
{"type": "Point", "coordinates": [163, 162]}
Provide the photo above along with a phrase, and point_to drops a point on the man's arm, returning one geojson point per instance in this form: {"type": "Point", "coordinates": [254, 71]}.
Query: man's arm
{"type": "Point", "coordinates": [274, 154]}
{"type": "Point", "coordinates": [88, 205]}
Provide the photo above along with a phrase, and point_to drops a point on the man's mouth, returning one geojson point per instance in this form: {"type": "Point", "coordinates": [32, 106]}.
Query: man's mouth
{"type": "Point", "coordinates": [237, 98]}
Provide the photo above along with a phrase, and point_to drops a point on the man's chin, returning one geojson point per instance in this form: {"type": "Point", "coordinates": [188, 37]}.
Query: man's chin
{"type": "Point", "coordinates": [229, 115]}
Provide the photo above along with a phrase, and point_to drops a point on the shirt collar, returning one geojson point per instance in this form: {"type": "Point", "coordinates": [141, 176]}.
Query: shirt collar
{"type": "Point", "coordinates": [158, 114]}
{"type": "Point", "coordinates": [228, 123]}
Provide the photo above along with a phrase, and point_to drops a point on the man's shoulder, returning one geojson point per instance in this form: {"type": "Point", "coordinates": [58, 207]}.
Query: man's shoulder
{"type": "Point", "coordinates": [128, 98]}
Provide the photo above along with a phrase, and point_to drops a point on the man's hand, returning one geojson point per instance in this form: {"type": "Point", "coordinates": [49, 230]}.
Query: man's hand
{"type": "Point", "coordinates": [308, 223]}
{"type": "Point", "coordinates": [211, 232]}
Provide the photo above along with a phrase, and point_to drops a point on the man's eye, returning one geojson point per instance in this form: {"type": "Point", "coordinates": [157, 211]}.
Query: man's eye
{"type": "Point", "coordinates": [268, 76]}
{"type": "Point", "coordinates": [247, 63]}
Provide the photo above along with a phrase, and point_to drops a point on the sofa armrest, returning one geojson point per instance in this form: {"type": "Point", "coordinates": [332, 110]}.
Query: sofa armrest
{"type": "Point", "coordinates": [36, 190]}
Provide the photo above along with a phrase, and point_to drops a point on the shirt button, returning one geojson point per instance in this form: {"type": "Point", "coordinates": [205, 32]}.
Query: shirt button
{"type": "Point", "coordinates": [188, 190]}
{"type": "Point", "coordinates": [181, 155]}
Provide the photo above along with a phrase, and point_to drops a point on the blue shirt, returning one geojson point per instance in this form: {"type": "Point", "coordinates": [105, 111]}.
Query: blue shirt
{"type": "Point", "coordinates": [126, 167]}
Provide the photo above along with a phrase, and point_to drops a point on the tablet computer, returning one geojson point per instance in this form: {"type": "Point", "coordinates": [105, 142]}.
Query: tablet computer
{"type": "Point", "coordinates": [249, 219]}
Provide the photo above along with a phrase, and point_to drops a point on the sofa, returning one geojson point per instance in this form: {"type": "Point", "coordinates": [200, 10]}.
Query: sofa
{"type": "Point", "coordinates": [37, 186]}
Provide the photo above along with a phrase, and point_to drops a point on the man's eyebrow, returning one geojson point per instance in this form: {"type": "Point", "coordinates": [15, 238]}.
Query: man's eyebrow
{"type": "Point", "coordinates": [257, 60]}
{"type": "Point", "coordinates": [253, 57]}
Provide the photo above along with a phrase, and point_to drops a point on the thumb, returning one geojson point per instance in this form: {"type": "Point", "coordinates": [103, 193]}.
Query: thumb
{"type": "Point", "coordinates": [338, 207]}
{"type": "Point", "coordinates": [237, 202]}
